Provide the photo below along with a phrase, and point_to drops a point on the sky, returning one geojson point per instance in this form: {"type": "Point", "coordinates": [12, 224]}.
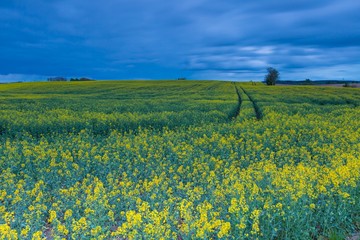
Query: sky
{"type": "Point", "coordinates": [195, 39]}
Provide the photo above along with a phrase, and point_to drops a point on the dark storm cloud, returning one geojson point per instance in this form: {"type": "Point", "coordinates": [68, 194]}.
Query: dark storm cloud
{"type": "Point", "coordinates": [168, 39]}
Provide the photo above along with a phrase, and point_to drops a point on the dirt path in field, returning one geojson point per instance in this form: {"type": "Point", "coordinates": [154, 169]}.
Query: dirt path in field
{"type": "Point", "coordinates": [258, 112]}
{"type": "Point", "coordinates": [233, 115]}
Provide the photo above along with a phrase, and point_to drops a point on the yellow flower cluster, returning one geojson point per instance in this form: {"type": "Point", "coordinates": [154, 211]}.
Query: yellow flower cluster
{"type": "Point", "coordinates": [273, 178]}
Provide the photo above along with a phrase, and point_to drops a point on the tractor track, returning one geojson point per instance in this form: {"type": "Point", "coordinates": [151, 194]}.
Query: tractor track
{"type": "Point", "coordinates": [236, 112]}
{"type": "Point", "coordinates": [258, 112]}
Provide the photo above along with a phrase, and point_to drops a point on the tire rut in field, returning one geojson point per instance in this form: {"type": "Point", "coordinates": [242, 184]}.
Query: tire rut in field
{"type": "Point", "coordinates": [258, 112]}
{"type": "Point", "coordinates": [233, 115]}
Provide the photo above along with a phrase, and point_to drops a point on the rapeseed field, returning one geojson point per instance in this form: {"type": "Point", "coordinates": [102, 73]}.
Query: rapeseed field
{"type": "Point", "coordinates": [178, 160]}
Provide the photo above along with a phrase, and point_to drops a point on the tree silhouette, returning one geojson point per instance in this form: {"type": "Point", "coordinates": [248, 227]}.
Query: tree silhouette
{"type": "Point", "coordinates": [272, 76]}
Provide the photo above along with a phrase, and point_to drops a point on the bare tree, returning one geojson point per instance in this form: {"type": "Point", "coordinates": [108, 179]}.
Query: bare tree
{"type": "Point", "coordinates": [272, 76]}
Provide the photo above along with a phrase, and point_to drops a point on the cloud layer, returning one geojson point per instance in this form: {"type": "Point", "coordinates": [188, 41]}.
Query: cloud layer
{"type": "Point", "coordinates": [207, 39]}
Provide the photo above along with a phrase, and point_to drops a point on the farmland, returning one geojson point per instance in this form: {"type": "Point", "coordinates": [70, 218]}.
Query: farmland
{"type": "Point", "coordinates": [178, 160]}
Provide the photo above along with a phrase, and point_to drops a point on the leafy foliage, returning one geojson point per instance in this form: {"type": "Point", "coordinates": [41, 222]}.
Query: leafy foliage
{"type": "Point", "coordinates": [272, 76]}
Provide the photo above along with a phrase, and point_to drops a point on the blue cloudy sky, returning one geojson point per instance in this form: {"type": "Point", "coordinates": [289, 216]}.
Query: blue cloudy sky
{"type": "Point", "coordinates": [197, 39]}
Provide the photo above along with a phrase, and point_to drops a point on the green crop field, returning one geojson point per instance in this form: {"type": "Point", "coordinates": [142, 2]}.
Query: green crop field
{"type": "Point", "coordinates": [178, 160]}
{"type": "Point", "coordinates": [40, 108]}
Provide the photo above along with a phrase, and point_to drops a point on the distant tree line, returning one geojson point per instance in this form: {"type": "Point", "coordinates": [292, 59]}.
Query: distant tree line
{"type": "Point", "coordinates": [63, 79]}
{"type": "Point", "coordinates": [318, 82]}
{"type": "Point", "coordinates": [57, 79]}
{"type": "Point", "coordinates": [272, 77]}
{"type": "Point", "coordinates": [80, 79]}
